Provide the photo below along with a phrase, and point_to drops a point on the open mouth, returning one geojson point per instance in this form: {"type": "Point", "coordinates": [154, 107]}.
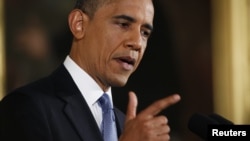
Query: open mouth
{"type": "Point", "coordinates": [128, 60]}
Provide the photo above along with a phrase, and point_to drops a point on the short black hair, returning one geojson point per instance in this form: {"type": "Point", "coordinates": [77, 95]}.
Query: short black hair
{"type": "Point", "coordinates": [90, 6]}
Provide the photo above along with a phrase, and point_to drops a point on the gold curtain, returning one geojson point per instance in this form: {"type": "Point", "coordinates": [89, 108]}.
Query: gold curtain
{"type": "Point", "coordinates": [231, 59]}
{"type": "Point", "coordinates": [2, 51]}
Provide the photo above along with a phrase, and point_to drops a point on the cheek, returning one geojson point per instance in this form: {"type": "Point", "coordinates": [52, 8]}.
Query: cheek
{"type": "Point", "coordinates": [113, 36]}
{"type": "Point", "coordinates": [140, 56]}
{"type": "Point", "coordinates": [111, 42]}
{"type": "Point", "coordinates": [107, 49]}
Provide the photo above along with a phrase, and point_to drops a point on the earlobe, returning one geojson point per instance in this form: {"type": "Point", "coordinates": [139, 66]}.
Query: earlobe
{"type": "Point", "coordinates": [77, 21]}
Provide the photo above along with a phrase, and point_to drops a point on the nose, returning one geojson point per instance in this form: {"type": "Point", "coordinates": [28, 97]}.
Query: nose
{"type": "Point", "coordinates": [134, 40]}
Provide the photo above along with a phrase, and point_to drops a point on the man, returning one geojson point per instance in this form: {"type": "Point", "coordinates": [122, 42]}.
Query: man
{"type": "Point", "coordinates": [109, 40]}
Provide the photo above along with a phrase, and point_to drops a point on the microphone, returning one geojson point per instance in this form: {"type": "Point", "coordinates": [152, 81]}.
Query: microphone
{"type": "Point", "coordinates": [198, 124]}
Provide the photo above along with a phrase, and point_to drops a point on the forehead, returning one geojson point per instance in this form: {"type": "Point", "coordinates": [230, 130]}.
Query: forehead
{"type": "Point", "coordinates": [139, 9]}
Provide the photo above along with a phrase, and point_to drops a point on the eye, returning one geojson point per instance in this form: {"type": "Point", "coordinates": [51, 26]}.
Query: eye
{"type": "Point", "coordinates": [124, 24]}
{"type": "Point", "coordinates": [146, 33]}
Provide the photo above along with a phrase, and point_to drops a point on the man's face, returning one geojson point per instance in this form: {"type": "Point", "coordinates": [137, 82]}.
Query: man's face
{"type": "Point", "coordinates": [116, 38]}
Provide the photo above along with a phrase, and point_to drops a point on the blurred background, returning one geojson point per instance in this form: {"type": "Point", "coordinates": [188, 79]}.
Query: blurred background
{"type": "Point", "coordinates": [199, 49]}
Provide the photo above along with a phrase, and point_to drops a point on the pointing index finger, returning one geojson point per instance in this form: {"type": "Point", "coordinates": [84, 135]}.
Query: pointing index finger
{"type": "Point", "coordinates": [160, 105]}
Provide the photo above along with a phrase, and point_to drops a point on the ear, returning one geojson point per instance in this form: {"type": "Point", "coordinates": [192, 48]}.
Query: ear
{"type": "Point", "coordinates": [77, 21]}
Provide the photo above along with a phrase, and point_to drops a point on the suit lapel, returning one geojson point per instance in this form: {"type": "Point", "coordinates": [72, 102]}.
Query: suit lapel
{"type": "Point", "coordinates": [120, 120]}
{"type": "Point", "coordinates": [85, 125]}
{"type": "Point", "coordinates": [76, 107]}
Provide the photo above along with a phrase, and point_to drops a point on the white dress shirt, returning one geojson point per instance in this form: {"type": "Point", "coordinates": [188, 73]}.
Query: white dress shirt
{"type": "Point", "coordinates": [90, 90]}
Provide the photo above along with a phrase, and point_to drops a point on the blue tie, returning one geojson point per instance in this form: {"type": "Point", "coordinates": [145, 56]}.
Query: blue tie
{"type": "Point", "coordinates": [108, 127]}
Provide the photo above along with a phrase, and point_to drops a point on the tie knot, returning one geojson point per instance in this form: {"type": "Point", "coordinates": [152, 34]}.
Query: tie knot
{"type": "Point", "coordinates": [105, 102]}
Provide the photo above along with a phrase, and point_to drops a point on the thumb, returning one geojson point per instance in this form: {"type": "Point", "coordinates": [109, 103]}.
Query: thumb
{"type": "Point", "coordinates": [132, 106]}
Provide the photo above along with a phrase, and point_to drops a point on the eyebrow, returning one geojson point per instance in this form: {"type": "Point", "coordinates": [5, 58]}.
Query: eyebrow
{"type": "Point", "coordinates": [132, 20]}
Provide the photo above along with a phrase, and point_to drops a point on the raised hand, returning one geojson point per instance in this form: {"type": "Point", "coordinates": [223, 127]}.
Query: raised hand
{"type": "Point", "coordinates": [147, 125]}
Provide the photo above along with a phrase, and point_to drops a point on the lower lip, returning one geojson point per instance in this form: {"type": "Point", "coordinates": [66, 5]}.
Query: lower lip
{"type": "Point", "coordinates": [126, 66]}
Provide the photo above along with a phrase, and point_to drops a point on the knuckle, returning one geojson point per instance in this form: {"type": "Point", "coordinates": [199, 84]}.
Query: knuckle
{"type": "Point", "coordinates": [163, 119]}
{"type": "Point", "coordinates": [168, 129]}
{"type": "Point", "coordinates": [147, 125]}
{"type": "Point", "coordinates": [159, 105]}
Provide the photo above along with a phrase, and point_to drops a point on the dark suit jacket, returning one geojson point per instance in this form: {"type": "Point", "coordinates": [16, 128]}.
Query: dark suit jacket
{"type": "Point", "coordinates": [50, 109]}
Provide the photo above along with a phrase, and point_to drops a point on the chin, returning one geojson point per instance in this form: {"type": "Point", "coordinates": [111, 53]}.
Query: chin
{"type": "Point", "coordinates": [119, 83]}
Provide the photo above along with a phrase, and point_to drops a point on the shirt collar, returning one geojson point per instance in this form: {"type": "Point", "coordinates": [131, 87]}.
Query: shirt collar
{"type": "Point", "coordinates": [90, 90]}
